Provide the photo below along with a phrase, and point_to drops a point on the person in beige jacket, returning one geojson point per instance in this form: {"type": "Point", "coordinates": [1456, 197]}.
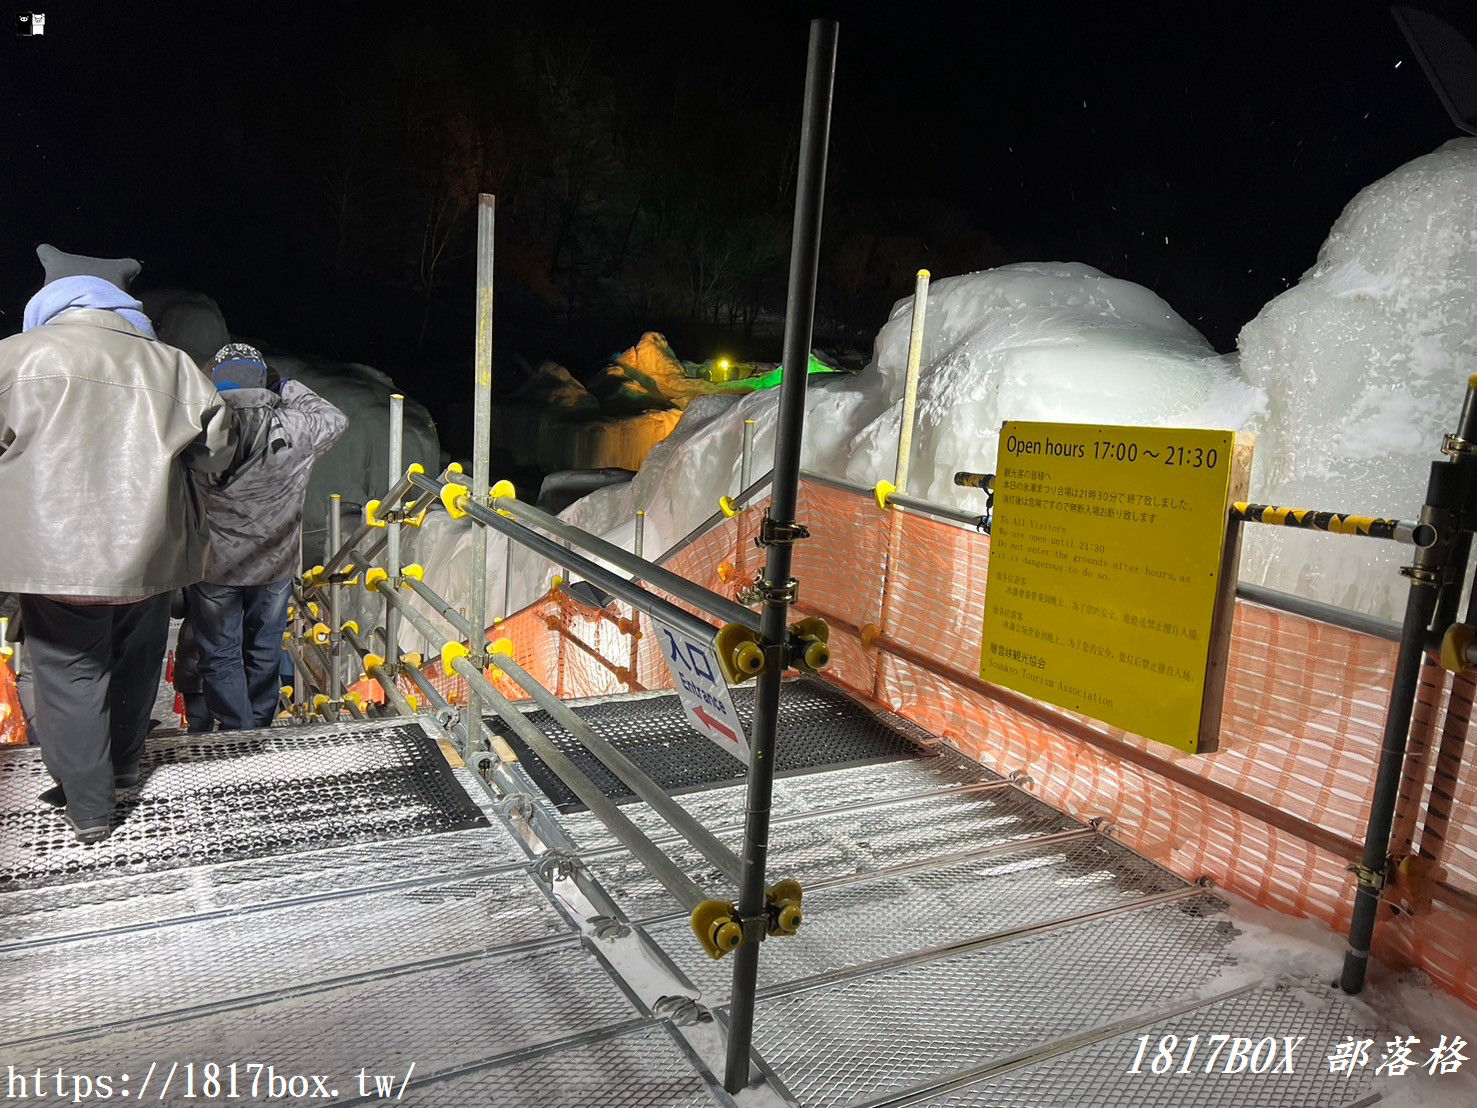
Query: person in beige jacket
{"type": "Point", "coordinates": [100, 427]}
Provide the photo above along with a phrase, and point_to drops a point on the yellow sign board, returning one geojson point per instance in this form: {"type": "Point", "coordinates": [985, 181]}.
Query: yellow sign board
{"type": "Point", "coordinates": [1104, 583]}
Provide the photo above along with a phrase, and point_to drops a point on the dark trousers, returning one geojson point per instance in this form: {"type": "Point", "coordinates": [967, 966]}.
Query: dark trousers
{"type": "Point", "coordinates": [239, 631]}
{"type": "Point", "coordinates": [95, 670]}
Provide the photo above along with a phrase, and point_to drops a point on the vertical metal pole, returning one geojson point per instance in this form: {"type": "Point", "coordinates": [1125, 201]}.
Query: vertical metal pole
{"type": "Point", "coordinates": [784, 491]}
{"type": "Point", "coordinates": [507, 577]}
{"type": "Point", "coordinates": [910, 389]}
{"type": "Point", "coordinates": [297, 626]}
{"type": "Point", "coordinates": [1447, 495]}
{"type": "Point", "coordinates": [481, 453]}
{"type": "Point", "coordinates": [746, 463]}
{"type": "Point", "coordinates": [335, 616]}
{"type": "Point", "coordinates": [392, 530]}
{"type": "Point", "coordinates": [639, 545]}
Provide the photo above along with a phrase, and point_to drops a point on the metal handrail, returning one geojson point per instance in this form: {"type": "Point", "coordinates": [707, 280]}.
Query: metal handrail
{"type": "Point", "coordinates": [629, 773]}
{"type": "Point", "coordinates": [711, 602]}
{"type": "Point", "coordinates": [633, 594]}
{"type": "Point", "coordinates": [666, 872]}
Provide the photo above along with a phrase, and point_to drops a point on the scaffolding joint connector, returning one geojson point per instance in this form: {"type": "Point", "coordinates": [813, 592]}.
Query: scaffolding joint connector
{"type": "Point", "coordinates": [557, 865]}
{"type": "Point", "coordinates": [1454, 446]}
{"type": "Point", "coordinates": [764, 591]}
{"type": "Point", "coordinates": [782, 905]}
{"type": "Point", "coordinates": [1372, 880]}
{"type": "Point", "coordinates": [1421, 575]}
{"type": "Point", "coordinates": [774, 532]}
{"type": "Point", "coordinates": [717, 929]}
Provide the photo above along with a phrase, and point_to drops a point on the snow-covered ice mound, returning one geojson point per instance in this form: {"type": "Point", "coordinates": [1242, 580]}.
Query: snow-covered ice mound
{"type": "Point", "coordinates": [1056, 341]}
{"type": "Point", "coordinates": [1060, 342]}
{"type": "Point", "coordinates": [1365, 362]}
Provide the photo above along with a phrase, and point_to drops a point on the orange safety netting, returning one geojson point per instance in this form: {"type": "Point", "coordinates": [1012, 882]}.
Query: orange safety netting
{"type": "Point", "coordinates": [12, 719]}
{"type": "Point", "coordinates": [1276, 814]}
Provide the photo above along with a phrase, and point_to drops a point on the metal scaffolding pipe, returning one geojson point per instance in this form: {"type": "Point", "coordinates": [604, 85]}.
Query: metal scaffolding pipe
{"type": "Point", "coordinates": [1448, 495]}
{"type": "Point", "coordinates": [910, 388]}
{"type": "Point", "coordinates": [400, 485]}
{"type": "Point", "coordinates": [442, 608]}
{"type": "Point", "coordinates": [805, 246]}
{"type": "Point", "coordinates": [1419, 533]}
{"type": "Point", "coordinates": [937, 511]}
{"type": "Point", "coordinates": [630, 774]}
{"type": "Point", "coordinates": [746, 459]}
{"type": "Point", "coordinates": [299, 684]}
{"type": "Point", "coordinates": [747, 494]}
{"type": "Point", "coordinates": [714, 604]}
{"type": "Point", "coordinates": [611, 582]}
{"type": "Point", "coordinates": [335, 615]}
{"type": "Point", "coordinates": [413, 617]}
{"type": "Point", "coordinates": [392, 528]}
{"type": "Point", "coordinates": [1319, 611]}
{"type": "Point", "coordinates": [663, 869]}
{"type": "Point", "coordinates": [481, 440]}
{"type": "Point", "coordinates": [378, 674]}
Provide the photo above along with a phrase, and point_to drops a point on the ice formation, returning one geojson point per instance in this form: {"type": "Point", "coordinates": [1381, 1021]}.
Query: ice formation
{"type": "Point", "coordinates": [1349, 380]}
{"type": "Point", "coordinates": [1033, 341]}
{"type": "Point", "coordinates": [1365, 362]}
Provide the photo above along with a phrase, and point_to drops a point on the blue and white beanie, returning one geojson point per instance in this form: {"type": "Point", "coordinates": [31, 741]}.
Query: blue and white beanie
{"type": "Point", "coordinates": [238, 366]}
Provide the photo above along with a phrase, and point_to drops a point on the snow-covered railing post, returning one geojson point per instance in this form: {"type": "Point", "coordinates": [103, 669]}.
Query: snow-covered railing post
{"type": "Point", "coordinates": [776, 588]}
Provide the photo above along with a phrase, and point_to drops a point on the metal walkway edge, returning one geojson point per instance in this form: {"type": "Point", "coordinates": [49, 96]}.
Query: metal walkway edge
{"type": "Point", "coordinates": [964, 942]}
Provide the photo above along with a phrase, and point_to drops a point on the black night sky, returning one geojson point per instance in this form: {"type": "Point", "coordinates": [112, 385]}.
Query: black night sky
{"type": "Point", "coordinates": [311, 165]}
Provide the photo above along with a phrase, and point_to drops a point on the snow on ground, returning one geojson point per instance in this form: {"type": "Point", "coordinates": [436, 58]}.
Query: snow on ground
{"type": "Point", "coordinates": [1365, 362]}
{"type": "Point", "coordinates": [1392, 1004]}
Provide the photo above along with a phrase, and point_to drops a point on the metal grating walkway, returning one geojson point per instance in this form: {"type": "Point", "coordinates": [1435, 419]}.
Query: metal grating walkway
{"type": "Point", "coordinates": [964, 944]}
{"type": "Point", "coordinates": [825, 729]}
{"type": "Point", "coordinates": [251, 794]}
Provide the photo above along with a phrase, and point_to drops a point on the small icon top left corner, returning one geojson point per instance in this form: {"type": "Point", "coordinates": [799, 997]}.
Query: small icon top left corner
{"type": "Point", "coordinates": [30, 24]}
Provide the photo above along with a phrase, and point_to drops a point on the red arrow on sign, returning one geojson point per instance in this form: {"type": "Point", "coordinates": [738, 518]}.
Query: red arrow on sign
{"type": "Point", "coordinates": [715, 725]}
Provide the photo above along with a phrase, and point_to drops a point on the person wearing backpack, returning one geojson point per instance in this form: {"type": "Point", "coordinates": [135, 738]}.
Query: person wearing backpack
{"type": "Point", "coordinates": [254, 510]}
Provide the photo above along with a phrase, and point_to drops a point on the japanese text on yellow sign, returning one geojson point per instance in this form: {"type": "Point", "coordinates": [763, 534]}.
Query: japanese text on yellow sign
{"type": "Point", "coordinates": [1105, 557]}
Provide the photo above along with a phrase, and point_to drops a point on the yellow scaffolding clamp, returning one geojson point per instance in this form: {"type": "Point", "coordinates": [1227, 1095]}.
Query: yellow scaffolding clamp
{"type": "Point", "coordinates": [314, 577]}
{"type": "Point", "coordinates": [321, 634]}
{"type": "Point", "coordinates": [740, 656]}
{"type": "Point", "coordinates": [453, 497]}
{"type": "Point", "coordinates": [882, 491]}
{"type": "Point", "coordinates": [373, 576]}
{"type": "Point", "coordinates": [372, 515]}
{"type": "Point", "coordinates": [782, 902]}
{"type": "Point", "coordinates": [728, 507]}
{"type": "Point", "coordinates": [415, 569]}
{"type": "Point", "coordinates": [1455, 644]}
{"type": "Point", "coordinates": [815, 653]}
{"type": "Point", "coordinates": [503, 490]}
{"type": "Point", "coordinates": [349, 625]}
{"type": "Point", "coordinates": [716, 925]}
{"type": "Point", "coordinates": [415, 520]}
